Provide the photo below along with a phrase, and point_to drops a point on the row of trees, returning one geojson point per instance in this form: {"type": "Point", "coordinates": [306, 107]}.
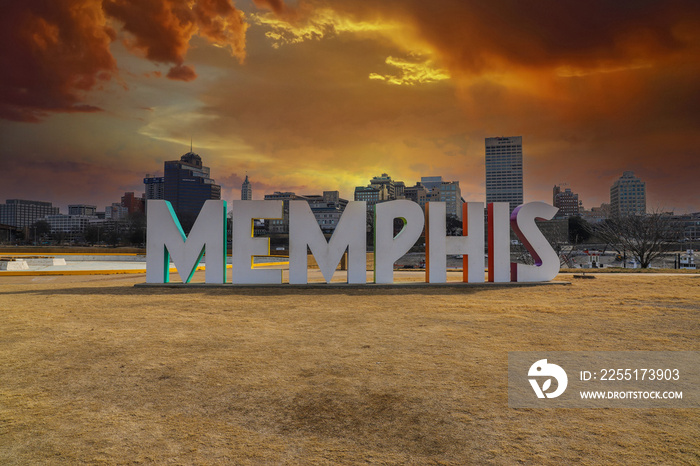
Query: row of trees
{"type": "Point", "coordinates": [645, 237]}
{"type": "Point", "coordinates": [641, 237]}
{"type": "Point", "coordinates": [130, 231]}
{"type": "Point", "coordinates": [127, 232]}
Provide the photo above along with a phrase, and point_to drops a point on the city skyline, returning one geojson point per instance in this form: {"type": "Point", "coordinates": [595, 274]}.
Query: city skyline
{"type": "Point", "coordinates": [149, 181]}
{"type": "Point", "coordinates": [503, 177]}
{"type": "Point", "coordinates": [307, 97]}
{"type": "Point", "coordinates": [154, 189]}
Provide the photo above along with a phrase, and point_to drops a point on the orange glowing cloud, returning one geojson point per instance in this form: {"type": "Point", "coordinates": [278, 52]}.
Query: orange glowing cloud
{"type": "Point", "coordinates": [165, 36]}
{"type": "Point", "coordinates": [333, 93]}
{"type": "Point", "coordinates": [182, 73]}
{"type": "Point", "coordinates": [594, 87]}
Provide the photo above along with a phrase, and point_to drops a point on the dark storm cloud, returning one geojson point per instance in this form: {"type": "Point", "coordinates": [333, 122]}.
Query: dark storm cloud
{"type": "Point", "coordinates": [56, 51]}
{"type": "Point", "coordinates": [52, 51]}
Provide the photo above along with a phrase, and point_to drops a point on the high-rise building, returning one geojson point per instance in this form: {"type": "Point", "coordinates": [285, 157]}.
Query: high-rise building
{"type": "Point", "coordinates": [155, 187]}
{"type": "Point", "coordinates": [429, 188]}
{"type": "Point", "coordinates": [327, 209]}
{"type": "Point", "coordinates": [504, 170]}
{"type": "Point", "coordinates": [448, 192]}
{"type": "Point", "coordinates": [628, 196]}
{"type": "Point", "coordinates": [430, 182]}
{"type": "Point", "coordinates": [132, 203]}
{"type": "Point", "coordinates": [417, 194]}
{"type": "Point", "coordinates": [386, 185]}
{"type": "Point", "coordinates": [71, 224]}
{"type": "Point", "coordinates": [399, 188]}
{"type": "Point", "coordinates": [566, 201]}
{"type": "Point", "coordinates": [370, 195]}
{"type": "Point", "coordinates": [281, 225]}
{"type": "Point", "coordinates": [83, 210]}
{"type": "Point", "coordinates": [187, 185]}
{"type": "Point", "coordinates": [116, 211]}
{"type": "Point", "coordinates": [380, 189]}
{"type": "Point", "coordinates": [21, 213]}
{"type": "Point", "coordinates": [246, 190]}
{"type": "Point", "coordinates": [333, 197]}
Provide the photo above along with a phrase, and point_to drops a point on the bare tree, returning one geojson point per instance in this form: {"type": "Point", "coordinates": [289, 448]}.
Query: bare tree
{"type": "Point", "coordinates": [453, 226]}
{"type": "Point", "coordinates": [645, 237]}
{"type": "Point", "coordinates": [580, 231]}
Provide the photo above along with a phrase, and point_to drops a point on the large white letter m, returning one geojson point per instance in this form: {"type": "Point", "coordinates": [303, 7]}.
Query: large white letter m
{"type": "Point", "coordinates": [166, 240]}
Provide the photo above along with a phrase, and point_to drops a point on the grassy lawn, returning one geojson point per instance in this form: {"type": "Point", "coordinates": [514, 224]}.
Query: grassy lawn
{"type": "Point", "coordinates": [630, 270]}
{"type": "Point", "coordinates": [94, 370]}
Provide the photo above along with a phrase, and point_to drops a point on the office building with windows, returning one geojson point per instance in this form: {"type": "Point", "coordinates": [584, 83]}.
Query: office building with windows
{"type": "Point", "coordinates": [380, 189]}
{"type": "Point", "coordinates": [133, 204]}
{"type": "Point", "coordinates": [281, 225]}
{"type": "Point", "coordinates": [369, 195]}
{"type": "Point", "coordinates": [504, 170]}
{"type": "Point", "coordinates": [628, 196]}
{"type": "Point", "coordinates": [83, 210]}
{"type": "Point", "coordinates": [430, 182]}
{"type": "Point", "coordinates": [187, 185]}
{"type": "Point", "coordinates": [21, 213]}
{"type": "Point", "coordinates": [116, 211]}
{"type": "Point", "coordinates": [74, 224]}
{"type": "Point", "coordinates": [386, 185]}
{"type": "Point", "coordinates": [566, 201]}
{"type": "Point", "coordinates": [429, 188]}
{"type": "Point", "coordinates": [155, 187]}
{"type": "Point", "coordinates": [417, 194]}
{"type": "Point", "coordinates": [327, 209]}
{"type": "Point", "coordinates": [448, 192]}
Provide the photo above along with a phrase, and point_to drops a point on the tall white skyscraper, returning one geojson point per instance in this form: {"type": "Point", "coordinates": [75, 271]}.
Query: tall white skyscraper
{"type": "Point", "coordinates": [504, 170]}
{"type": "Point", "coordinates": [628, 196]}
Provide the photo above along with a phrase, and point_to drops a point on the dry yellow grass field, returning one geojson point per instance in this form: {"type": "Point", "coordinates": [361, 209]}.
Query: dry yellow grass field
{"type": "Point", "coordinates": [93, 370]}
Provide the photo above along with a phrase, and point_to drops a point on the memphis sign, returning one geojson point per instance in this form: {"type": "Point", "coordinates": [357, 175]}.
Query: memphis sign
{"type": "Point", "coordinates": [167, 241]}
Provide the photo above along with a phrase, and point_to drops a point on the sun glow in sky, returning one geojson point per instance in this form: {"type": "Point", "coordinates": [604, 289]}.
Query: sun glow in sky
{"type": "Point", "coordinates": [315, 95]}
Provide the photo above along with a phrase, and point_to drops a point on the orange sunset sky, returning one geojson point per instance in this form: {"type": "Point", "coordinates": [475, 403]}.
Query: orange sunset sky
{"type": "Point", "coordinates": [321, 95]}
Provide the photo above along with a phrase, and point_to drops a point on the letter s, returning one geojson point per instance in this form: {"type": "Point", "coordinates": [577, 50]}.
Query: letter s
{"type": "Point", "coordinates": [522, 221]}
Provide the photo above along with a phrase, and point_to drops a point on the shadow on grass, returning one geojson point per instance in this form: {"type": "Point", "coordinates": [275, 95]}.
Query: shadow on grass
{"type": "Point", "coordinates": [419, 289]}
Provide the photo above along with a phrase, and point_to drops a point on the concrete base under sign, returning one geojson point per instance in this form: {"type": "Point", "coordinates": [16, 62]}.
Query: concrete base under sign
{"type": "Point", "coordinates": [14, 265]}
{"type": "Point", "coordinates": [46, 261]}
{"type": "Point", "coordinates": [336, 286]}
